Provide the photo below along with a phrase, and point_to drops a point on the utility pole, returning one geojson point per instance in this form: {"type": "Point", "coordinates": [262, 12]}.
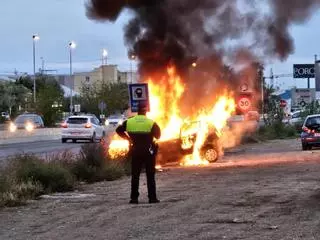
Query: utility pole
{"type": "Point", "coordinates": [72, 45]}
{"type": "Point", "coordinates": [34, 39]}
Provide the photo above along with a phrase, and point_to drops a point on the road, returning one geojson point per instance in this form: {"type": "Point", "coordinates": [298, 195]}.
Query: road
{"type": "Point", "coordinates": [259, 191]}
{"type": "Point", "coordinates": [37, 147]}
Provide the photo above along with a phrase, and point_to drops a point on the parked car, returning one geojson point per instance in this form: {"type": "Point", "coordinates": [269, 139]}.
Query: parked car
{"type": "Point", "coordinates": [116, 119]}
{"type": "Point", "coordinates": [310, 136]}
{"type": "Point", "coordinates": [294, 118]}
{"type": "Point", "coordinates": [83, 127]}
{"type": "Point", "coordinates": [27, 121]}
{"type": "Point", "coordinates": [5, 115]}
{"type": "Point", "coordinates": [174, 149]}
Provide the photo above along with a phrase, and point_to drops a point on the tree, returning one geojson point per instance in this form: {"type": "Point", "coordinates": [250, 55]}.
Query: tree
{"type": "Point", "coordinates": [115, 95]}
{"type": "Point", "coordinates": [50, 97]}
{"type": "Point", "coordinates": [272, 106]}
{"type": "Point", "coordinates": [13, 97]}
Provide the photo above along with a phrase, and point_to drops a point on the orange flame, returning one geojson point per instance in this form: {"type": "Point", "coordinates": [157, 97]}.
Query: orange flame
{"type": "Point", "coordinates": [164, 99]}
{"type": "Point", "coordinates": [164, 105]}
{"type": "Point", "coordinates": [118, 147]}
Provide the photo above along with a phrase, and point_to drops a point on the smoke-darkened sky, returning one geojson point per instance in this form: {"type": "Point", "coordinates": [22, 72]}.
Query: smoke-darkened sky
{"type": "Point", "coordinates": [66, 20]}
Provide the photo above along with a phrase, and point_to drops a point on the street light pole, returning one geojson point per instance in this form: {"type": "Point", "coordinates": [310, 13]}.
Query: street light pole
{"type": "Point", "coordinates": [132, 57]}
{"type": "Point", "coordinates": [34, 39]}
{"type": "Point", "coordinates": [104, 62]}
{"type": "Point", "coordinates": [72, 45]}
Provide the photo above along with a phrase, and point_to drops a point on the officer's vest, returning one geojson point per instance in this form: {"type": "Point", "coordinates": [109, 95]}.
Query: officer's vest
{"type": "Point", "coordinates": [139, 124]}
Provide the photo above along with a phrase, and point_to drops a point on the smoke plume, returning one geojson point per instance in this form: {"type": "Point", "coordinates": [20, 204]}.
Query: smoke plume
{"type": "Point", "coordinates": [163, 31]}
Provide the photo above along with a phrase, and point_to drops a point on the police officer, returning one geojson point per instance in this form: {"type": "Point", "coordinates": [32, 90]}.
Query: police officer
{"type": "Point", "coordinates": [140, 132]}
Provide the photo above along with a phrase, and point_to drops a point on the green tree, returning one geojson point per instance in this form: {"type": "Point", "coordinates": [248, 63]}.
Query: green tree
{"type": "Point", "coordinates": [115, 95]}
{"type": "Point", "coordinates": [13, 97]}
{"type": "Point", "coordinates": [50, 98]}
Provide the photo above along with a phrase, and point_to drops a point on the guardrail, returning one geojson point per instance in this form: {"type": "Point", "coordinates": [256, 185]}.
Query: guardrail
{"type": "Point", "coordinates": [7, 137]}
{"type": "Point", "coordinates": [41, 134]}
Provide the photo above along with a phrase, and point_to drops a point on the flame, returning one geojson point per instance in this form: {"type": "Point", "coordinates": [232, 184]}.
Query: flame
{"type": "Point", "coordinates": [217, 119]}
{"type": "Point", "coordinates": [165, 95]}
{"type": "Point", "coordinates": [118, 147]}
{"type": "Point", "coordinates": [164, 99]}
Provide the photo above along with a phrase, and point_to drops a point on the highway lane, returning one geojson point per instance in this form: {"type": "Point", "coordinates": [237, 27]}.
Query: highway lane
{"type": "Point", "coordinates": [38, 147]}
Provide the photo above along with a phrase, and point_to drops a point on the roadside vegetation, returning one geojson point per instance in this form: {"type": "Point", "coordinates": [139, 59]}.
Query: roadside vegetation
{"type": "Point", "coordinates": [25, 177]}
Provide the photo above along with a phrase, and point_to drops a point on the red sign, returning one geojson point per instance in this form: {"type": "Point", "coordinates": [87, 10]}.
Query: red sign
{"type": "Point", "coordinates": [283, 103]}
{"type": "Point", "coordinates": [244, 103]}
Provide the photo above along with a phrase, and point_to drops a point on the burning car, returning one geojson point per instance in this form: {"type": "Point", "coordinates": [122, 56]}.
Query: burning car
{"type": "Point", "coordinates": [184, 146]}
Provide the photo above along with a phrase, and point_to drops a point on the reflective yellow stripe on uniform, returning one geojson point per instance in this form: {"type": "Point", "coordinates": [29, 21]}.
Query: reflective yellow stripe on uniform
{"type": "Point", "coordinates": [139, 124]}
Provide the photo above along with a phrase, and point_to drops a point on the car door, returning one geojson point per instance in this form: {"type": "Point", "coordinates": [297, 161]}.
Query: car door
{"type": "Point", "coordinates": [96, 123]}
{"type": "Point", "coordinates": [100, 126]}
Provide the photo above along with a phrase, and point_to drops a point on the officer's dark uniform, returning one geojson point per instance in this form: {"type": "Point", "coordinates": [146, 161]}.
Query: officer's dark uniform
{"type": "Point", "coordinates": [142, 132]}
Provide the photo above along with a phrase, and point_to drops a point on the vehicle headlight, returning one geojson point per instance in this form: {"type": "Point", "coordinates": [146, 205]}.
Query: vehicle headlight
{"type": "Point", "coordinates": [29, 127]}
{"type": "Point", "coordinates": [106, 123]}
{"type": "Point", "coordinates": [12, 127]}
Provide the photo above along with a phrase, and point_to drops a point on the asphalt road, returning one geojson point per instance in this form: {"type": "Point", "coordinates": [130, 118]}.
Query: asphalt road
{"type": "Point", "coordinates": [39, 147]}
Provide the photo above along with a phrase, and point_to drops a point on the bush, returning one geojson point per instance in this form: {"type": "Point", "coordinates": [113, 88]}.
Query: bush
{"type": "Point", "coordinates": [277, 130]}
{"type": "Point", "coordinates": [94, 165]}
{"type": "Point", "coordinates": [27, 176]}
{"type": "Point", "coordinates": [13, 193]}
{"type": "Point", "coordinates": [53, 177]}
{"type": "Point", "coordinates": [19, 193]}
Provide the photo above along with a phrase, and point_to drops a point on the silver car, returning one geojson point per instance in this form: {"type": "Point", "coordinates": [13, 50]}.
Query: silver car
{"type": "Point", "coordinates": [83, 127]}
{"type": "Point", "coordinates": [27, 121]}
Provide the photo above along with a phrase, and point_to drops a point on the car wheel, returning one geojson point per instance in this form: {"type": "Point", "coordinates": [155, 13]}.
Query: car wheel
{"type": "Point", "coordinates": [210, 154]}
{"type": "Point", "coordinates": [93, 139]}
{"type": "Point", "coordinates": [63, 140]}
{"type": "Point", "coordinates": [305, 147]}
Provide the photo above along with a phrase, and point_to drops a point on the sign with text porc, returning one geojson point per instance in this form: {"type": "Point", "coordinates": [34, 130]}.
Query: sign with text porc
{"type": "Point", "coordinates": [303, 71]}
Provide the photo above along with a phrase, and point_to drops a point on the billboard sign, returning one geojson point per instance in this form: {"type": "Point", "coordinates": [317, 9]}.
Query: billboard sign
{"type": "Point", "coordinates": [303, 71]}
{"type": "Point", "coordinates": [138, 92]}
{"type": "Point", "coordinates": [317, 73]}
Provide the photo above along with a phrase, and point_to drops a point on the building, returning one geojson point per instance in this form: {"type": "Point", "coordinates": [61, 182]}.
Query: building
{"type": "Point", "coordinates": [105, 74]}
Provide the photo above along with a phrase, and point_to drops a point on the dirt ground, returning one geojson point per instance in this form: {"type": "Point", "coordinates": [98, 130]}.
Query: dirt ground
{"type": "Point", "coordinates": [259, 191]}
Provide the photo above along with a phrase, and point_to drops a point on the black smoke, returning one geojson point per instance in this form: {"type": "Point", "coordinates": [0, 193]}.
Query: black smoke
{"type": "Point", "coordinates": [164, 31]}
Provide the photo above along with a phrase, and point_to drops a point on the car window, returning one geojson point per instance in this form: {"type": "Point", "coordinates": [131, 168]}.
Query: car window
{"type": "Point", "coordinates": [24, 118]}
{"type": "Point", "coordinates": [312, 121]}
{"type": "Point", "coordinates": [77, 120]}
{"type": "Point", "coordinates": [95, 121]}
{"type": "Point", "coordinates": [296, 115]}
{"type": "Point", "coordinates": [115, 116]}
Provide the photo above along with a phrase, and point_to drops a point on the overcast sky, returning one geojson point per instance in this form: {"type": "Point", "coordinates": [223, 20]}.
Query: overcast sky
{"type": "Point", "coordinates": [59, 21]}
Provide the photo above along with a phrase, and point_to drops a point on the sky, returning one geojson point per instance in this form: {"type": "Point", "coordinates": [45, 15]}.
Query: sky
{"type": "Point", "coordinates": [58, 22]}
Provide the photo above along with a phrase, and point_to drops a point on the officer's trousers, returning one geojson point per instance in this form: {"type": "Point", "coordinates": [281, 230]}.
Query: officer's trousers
{"type": "Point", "coordinates": [140, 159]}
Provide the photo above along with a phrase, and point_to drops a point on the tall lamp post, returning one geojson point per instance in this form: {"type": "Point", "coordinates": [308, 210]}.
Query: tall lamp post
{"type": "Point", "coordinates": [132, 58]}
{"type": "Point", "coordinates": [104, 62]}
{"type": "Point", "coordinates": [35, 38]}
{"type": "Point", "coordinates": [104, 56]}
{"type": "Point", "coordinates": [72, 46]}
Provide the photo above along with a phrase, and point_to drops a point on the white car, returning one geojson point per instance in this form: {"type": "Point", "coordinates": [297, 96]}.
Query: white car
{"type": "Point", "coordinates": [82, 127]}
{"type": "Point", "coordinates": [294, 118]}
{"type": "Point", "coordinates": [115, 120]}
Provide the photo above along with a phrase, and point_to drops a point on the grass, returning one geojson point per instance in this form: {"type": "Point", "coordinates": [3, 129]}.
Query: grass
{"type": "Point", "coordinates": [28, 176]}
{"type": "Point", "coordinates": [277, 131]}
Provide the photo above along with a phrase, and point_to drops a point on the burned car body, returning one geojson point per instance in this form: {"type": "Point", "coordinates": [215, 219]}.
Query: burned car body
{"type": "Point", "coordinates": [175, 149]}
